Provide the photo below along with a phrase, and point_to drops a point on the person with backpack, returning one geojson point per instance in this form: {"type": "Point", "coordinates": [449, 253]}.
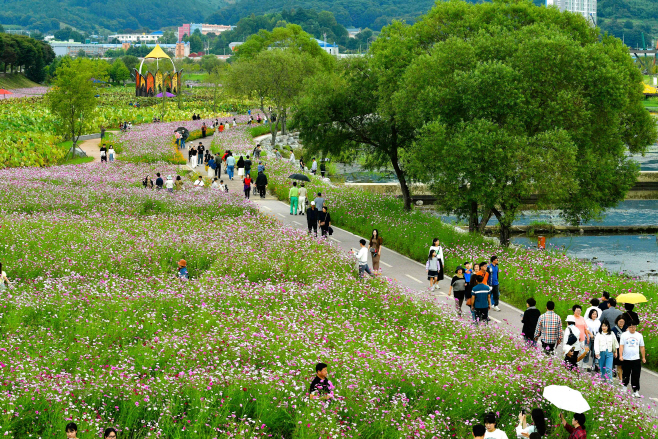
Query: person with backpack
{"type": "Point", "coordinates": [572, 345]}
{"type": "Point", "coordinates": [458, 286]}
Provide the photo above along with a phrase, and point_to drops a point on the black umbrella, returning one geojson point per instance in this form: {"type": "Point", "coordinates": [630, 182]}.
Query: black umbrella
{"type": "Point", "coordinates": [301, 177]}
{"type": "Point", "coordinates": [183, 132]}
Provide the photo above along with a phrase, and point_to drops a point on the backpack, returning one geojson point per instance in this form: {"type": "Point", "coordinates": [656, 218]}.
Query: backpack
{"type": "Point", "coordinates": [572, 338]}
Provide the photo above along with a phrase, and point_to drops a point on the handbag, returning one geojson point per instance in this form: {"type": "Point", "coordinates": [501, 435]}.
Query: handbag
{"type": "Point", "coordinates": [470, 300]}
{"type": "Point", "coordinates": [331, 231]}
{"type": "Point", "coordinates": [572, 338]}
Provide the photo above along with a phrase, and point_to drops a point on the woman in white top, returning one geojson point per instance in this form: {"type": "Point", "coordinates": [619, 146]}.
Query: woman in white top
{"type": "Point", "coordinates": [491, 424]}
{"type": "Point", "coordinates": [215, 184]}
{"type": "Point", "coordinates": [605, 349]}
{"type": "Point", "coordinates": [593, 325]}
{"type": "Point", "coordinates": [4, 281]}
{"type": "Point", "coordinates": [111, 153]}
{"type": "Point", "coordinates": [436, 246]}
{"type": "Point", "coordinates": [523, 430]}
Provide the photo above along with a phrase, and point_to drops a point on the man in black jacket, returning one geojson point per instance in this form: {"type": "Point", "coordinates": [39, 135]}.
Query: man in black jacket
{"type": "Point", "coordinates": [312, 218]}
{"type": "Point", "coordinates": [529, 320]}
{"type": "Point", "coordinates": [159, 182]}
{"type": "Point", "coordinates": [247, 167]}
{"type": "Point", "coordinates": [261, 184]}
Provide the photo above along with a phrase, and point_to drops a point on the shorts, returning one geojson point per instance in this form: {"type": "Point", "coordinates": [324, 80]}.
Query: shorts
{"type": "Point", "coordinates": [432, 274]}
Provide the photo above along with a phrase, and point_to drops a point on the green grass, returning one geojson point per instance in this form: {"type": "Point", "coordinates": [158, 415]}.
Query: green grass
{"type": "Point", "coordinates": [15, 80]}
{"type": "Point", "coordinates": [78, 161]}
{"type": "Point", "coordinates": [201, 77]}
{"type": "Point", "coordinates": [259, 130]}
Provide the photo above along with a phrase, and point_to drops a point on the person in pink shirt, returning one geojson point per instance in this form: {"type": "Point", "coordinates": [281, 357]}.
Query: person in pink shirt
{"type": "Point", "coordinates": [581, 324]}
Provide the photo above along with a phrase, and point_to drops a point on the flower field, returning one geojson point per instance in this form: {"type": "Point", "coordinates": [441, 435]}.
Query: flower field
{"type": "Point", "coordinates": [97, 330]}
{"type": "Point", "coordinates": [27, 136]}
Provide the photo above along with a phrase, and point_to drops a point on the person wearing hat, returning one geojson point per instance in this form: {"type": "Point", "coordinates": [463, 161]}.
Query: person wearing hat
{"type": "Point", "coordinates": [312, 218]}
{"type": "Point", "coordinates": [169, 184]}
{"type": "Point", "coordinates": [571, 346]}
{"type": "Point", "coordinates": [631, 345]}
{"type": "Point", "coordinates": [261, 166]}
{"type": "Point", "coordinates": [182, 270]}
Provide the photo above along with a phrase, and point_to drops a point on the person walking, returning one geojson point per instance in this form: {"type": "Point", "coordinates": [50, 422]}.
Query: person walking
{"type": "Point", "coordinates": [323, 168]}
{"type": "Point", "coordinates": [571, 346]}
{"type": "Point", "coordinates": [261, 184]}
{"type": "Point", "coordinates": [314, 167]}
{"type": "Point", "coordinates": [468, 296]}
{"type": "Point", "coordinates": [549, 329]}
{"type": "Point", "coordinates": [193, 157]}
{"type": "Point", "coordinates": [436, 246]}
{"type": "Point", "coordinates": [605, 301]}
{"type": "Point", "coordinates": [241, 167]}
{"type": "Point", "coordinates": [204, 130]}
{"type": "Point", "coordinates": [362, 258]}
{"type": "Point", "coordinates": [324, 218]}
{"type": "Point", "coordinates": [293, 196]}
{"type": "Point", "coordinates": [631, 348]}
{"type": "Point", "coordinates": [458, 286]}
{"type": "Point", "coordinates": [617, 331]}
{"type": "Point", "coordinates": [292, 158]}
{"type": "Point", "coordinates": [593, 327]}
{"type": "Point", "coordinates": [302, 200]}
{"type": "Point", "coordinates": [481, 300]}
{"type": "Point", "coordinates": [606, 347]}
{"type": "Point", "coordinates": [319, 201]}
{"type": "Point", "coordinates": [247, 167]}
{"type": "Point", "coordinates": [375, 249]}
{"type": "Point", "coordinates": [177, 136]}
{"type": "Point", "coordinates": [302, 166]}
{"type": "Point", "coordinates": [493, 282]}
{"type": "Point", "coordinates": [230, 166]}
{"type": "Point", "coordinates": [102, 132]}
{"type": "Point", "coordinates": [247, 185]}
{"type": "Point", "coordinates": [581, 324]}
{"type": "Point", "coordinates": [530, 319]}
{"type": "Point", "coordinates": [212, 166]}
{"type": "Point", "coordinates": [261, 166]}
{"type": "Point", "coordinates": [432, 269]}
{"type": "Point", "coordinates": [630, 316]}
{"type": "Point", "coordinates": [610, 315]}
{"type": "Point", "coordinates": [312, 219]}
{"type": "Point", "coordinates": [200, 153]}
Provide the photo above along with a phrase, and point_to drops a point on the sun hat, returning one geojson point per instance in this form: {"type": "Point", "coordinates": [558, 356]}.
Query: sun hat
{"type": "Point", "coordinates": [312, 203]}
{"type": "Point", "coordinates": [182, 263]}
{"type": "Point", "coordinates": [571, 319]}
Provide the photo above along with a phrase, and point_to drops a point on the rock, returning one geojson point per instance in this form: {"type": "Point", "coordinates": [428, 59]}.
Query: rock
{"type": "Point", "coordinates": [419, 202]}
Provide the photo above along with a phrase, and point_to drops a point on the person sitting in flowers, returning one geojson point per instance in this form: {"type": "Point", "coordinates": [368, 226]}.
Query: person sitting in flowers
{"type": "Point", "coordinates": [182, 270]}
{"type": "Point", "coordinates": [321, 387]}
{"type": "Point", "coordinates": [71, 430]}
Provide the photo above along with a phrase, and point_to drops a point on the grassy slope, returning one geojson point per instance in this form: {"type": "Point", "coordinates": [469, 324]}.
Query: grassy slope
{"type": "Point", "coordinates": [15, 80]}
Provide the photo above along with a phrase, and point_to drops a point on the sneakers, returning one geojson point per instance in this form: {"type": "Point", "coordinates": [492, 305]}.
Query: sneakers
{"type": "Point", "coordinates": [636, 394]}
{"type": "Point", "coordinates": [495, 308]}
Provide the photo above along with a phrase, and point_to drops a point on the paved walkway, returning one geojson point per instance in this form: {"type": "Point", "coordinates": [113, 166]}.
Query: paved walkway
{"type": "Point", "coordinates": [92, 148]}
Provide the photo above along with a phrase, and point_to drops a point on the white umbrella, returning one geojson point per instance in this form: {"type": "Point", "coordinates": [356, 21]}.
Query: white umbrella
{"type": "Point", "coordinates": [566, 398]}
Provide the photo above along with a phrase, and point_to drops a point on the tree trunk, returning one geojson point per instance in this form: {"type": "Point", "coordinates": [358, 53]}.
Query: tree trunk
{"type": "Point", "coordinates": [485, 220]}
{"type": "Point", "coordinates": [282, 117]}
{"type": "Point", "coordinates": [473, 217]}
{"type": "Point", "coordinates": [406, 195]}
{"type": "Point", "coordinates": [269, 120]}
{"type": "Point", "coordinates": [505, 228]}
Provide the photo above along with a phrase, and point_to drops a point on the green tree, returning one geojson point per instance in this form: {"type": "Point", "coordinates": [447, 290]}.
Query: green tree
{"type": "Point", "coordinates": [209, 63]}
{"type": "Point", "coordinates": [511, 102]}
{"type": "Point", "coordinates": [351, 109]}
{"type": "Point", "coordinates": [273, 77]}
{"type": "Point", "coordinates": [118, 72]}
{"type": "Point", "coordinates": [72, 99]}
{"type": "Point", "coordinates": [130, 62]}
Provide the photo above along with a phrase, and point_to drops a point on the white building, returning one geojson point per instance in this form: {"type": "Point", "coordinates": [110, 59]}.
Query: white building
{"type": "Point", "coordinates": [331, 49]}
{"type": "Point", "coordinates": [586, 8]}
{"type": "Point", "coordinates": [133, 38]}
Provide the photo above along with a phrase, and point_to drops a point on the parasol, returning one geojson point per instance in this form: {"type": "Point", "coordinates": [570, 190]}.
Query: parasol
{"type": "Point", "coordinates": [184, 132]}
{"type": "Point", "coordinates": [566, 398]}
{"type": "Point", "coordinates": [631, 298]}
{"type": "Point", "coordinates": [301, 177]}
{"type": "Point", "coordinates": [4, 92]}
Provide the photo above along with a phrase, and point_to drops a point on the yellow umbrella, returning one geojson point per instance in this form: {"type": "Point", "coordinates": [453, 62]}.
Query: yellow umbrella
{"type": "Point", "coordinates": [631, 298]}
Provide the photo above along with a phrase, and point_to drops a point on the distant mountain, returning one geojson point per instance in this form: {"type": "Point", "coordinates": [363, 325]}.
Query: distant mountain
{"type": "Point", "coordinates": [627, 19]}
{"type": "Point", "coordinates": [113, 15]}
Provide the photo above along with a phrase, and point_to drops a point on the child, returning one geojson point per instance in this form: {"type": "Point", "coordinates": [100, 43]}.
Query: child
{"type": "Point", "coordinates": [71, 430]}
{"type": "Point", "coordinates": [458, 287]}
{"type": "Point", "coordinates": [432, 268]}
{"type": "Point", "coordinates": [222, 186]}
{"type": "Point", "coordinates": [182, 270]}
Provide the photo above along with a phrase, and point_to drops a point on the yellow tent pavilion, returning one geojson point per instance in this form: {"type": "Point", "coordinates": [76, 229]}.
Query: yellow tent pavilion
{"type": "Point", "coordinates": [157, 53]}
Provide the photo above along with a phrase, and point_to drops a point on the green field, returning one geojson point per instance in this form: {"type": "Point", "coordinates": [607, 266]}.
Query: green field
{"type": "Point", "coordinates": [15, 80]}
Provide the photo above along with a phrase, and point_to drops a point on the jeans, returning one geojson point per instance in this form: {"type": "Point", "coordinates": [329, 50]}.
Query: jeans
{"type": "Point", "coordinates": [364, 268]}
{"type": "Point", "coordinates": [293, 205]}
{"type": "Point", "coordinates": [230, 171]}
{"type": "Point", "coordinates": [605, 363]}
{"type": "Point", "coordinates": [111, 157]}
{"type": "Point", "coordinates": [631, 370]}
{"type": "Point", "coordinates": [182, 144]}
{"type": "Point", "coordinates": [495, 295]}
{"type": "Point", "coordinates": [482, 315]}
{"type": "Point", "coordinates": [247, 172]}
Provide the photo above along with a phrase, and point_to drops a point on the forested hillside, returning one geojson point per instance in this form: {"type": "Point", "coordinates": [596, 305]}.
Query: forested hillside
{"type": "Point", "coordinates": [627, 19]}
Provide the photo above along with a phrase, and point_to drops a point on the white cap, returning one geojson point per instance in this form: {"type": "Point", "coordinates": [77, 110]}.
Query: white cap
{"type": "Point", "coordinates": [571, 318]}
{"type": "Point", "coordinates": [312, 203]}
